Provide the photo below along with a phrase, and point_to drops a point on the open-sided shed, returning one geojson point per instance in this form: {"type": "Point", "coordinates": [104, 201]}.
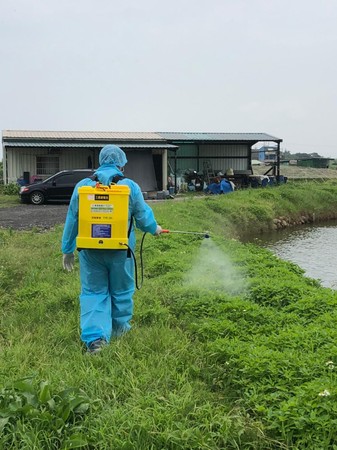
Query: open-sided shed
{"type": "Point", "coordinates": [217, 151]}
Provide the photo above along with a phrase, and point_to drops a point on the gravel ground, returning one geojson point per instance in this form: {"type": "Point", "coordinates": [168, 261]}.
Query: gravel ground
{"type": "Point", "coordinates": [25, 217]}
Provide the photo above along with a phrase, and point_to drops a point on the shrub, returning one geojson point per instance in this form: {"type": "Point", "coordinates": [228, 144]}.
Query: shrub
{"type": "Point", "coordinates": [11, 189]}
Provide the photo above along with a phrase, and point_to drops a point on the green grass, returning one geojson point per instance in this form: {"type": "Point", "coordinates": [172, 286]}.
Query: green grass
{"type": "Point", "coordinates": [8, 200]}
{"type": "Point", "coordinates": [230, 347]}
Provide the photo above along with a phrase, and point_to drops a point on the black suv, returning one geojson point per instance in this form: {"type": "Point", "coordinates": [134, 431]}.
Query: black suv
{"type": "Point", "coordinates": [58, 187]}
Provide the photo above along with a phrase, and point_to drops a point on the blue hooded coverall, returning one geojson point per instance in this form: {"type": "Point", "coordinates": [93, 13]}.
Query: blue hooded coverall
{"type": "Point", "coordinates": [107, 276]}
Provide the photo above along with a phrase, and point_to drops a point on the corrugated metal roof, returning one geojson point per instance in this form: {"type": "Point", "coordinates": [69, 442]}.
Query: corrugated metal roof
{"type": "Point", "coordinates": [243, 137]}
{"type": "Point", "coordinates": [80, 135]}
{"type": "Point", "coordinates": [87, 145]}
{"type": "Point", "coordinates": [106, 136]}
{"type": "Point", "coordinates": [154, 146]}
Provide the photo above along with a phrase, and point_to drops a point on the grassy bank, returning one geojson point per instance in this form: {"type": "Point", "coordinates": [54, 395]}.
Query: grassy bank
{"type": "Point", "coordinates": [230, 347]}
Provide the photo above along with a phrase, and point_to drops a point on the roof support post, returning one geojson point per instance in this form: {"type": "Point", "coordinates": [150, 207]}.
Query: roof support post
{"type": "Point", "coordinates": [249, 157]}
{"type": "Point", "coordinates": [164, 169]}
{"type": "Point", "coordinates": [175, 172]}
{"type": "Point", "coordinates": [278, 162]}
{"type": "Point", "coordinates": [4, 167]}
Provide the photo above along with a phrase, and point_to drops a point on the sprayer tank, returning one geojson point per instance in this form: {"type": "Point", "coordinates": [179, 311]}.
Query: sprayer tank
{"type": "Point", "coordinates": [103, 217]}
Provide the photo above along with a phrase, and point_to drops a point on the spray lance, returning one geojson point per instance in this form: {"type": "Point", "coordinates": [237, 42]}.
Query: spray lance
{"type": "Point", "coordinates": [205, 234]}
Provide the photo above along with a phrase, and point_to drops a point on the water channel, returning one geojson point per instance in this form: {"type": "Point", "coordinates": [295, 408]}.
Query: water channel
{"type": "Point", "coordinates": [312, 247]}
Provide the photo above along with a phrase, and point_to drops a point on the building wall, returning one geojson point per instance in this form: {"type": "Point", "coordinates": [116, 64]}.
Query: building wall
{"type": "Point", "coordinates": [187, 158]}
{"type": "Point", "coordinates": [20, 160]}
{"type": "Point", "coordinates": [267, 154]}
{"type": "Point", "coordinates": [140, 167]}
{"type": "Point", "coordinates": [219, 156]}
{"type": "Point", "coordinates": [222, 156]}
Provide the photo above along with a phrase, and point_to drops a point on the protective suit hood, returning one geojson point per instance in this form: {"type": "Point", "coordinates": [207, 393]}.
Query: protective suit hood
{"type": "Point", "coordinates": [111, 158]}
{"type": "Point", "coordinates": [111, 154]}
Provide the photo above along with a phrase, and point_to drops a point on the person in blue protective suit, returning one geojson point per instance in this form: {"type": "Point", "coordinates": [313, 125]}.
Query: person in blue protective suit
{"type": "Point", "coordinates": [107, 276]}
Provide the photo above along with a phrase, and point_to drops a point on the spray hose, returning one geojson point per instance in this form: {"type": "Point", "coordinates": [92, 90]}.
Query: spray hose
{"type": "Point", "coordinates": [138, 286]}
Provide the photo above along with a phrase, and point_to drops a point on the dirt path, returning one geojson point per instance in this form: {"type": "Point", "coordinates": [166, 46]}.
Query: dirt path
{"type": "Point", "coordinates": [25, 217]}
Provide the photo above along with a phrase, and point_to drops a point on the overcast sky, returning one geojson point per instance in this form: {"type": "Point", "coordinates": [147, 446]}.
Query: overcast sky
{"type": "Point", "coordinates": [177, 65]}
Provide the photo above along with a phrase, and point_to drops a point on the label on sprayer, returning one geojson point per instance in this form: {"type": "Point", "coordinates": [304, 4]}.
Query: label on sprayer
{"type": "Point", "coordinates": [99, 208]}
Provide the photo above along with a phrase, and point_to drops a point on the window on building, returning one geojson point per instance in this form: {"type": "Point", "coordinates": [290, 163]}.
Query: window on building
{"type": "Point", "coordinates": [47, 165]}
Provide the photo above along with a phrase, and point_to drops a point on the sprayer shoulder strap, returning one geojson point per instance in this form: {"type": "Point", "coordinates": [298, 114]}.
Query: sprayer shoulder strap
{"type": "Point", "coordinates": [114, 180]}
{"type": "Point", "coordinates": [117, 178]}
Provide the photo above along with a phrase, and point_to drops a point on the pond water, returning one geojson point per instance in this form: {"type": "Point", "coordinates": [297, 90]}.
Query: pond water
{"type": "Point", "coordinates": [312, 247]}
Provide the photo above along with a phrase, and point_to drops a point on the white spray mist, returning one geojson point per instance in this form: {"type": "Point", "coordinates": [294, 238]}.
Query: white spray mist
{"type": "Point", "coordinates": [213, 270]}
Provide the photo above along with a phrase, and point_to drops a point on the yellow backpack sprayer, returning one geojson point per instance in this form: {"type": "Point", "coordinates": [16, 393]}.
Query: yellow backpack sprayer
{"type": "Point", "coordinates": [103, 217]}
{"type": "Point", "coordinates": [103, 221]}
